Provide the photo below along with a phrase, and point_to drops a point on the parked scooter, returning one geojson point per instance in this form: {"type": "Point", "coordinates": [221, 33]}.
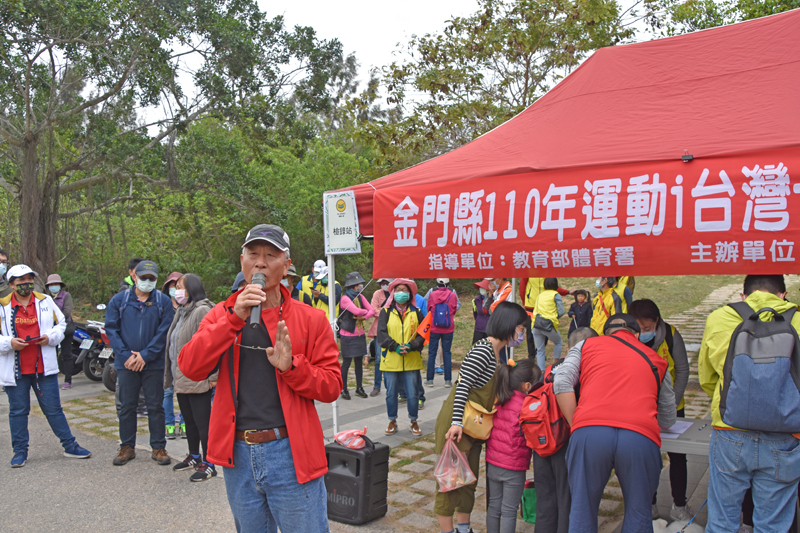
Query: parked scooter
{"type": "Point", "coordinates": [95, 349]}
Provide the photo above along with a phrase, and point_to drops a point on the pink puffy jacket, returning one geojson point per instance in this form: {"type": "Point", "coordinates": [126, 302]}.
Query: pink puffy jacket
{"type": "Point", "coordinates": [506, 448]}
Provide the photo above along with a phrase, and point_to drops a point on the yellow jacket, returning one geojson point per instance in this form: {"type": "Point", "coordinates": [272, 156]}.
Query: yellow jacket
{"type": "Point", "coordinates": [394, 330]}
{"type": "Point", "coordinates": [717, 337]}
{"type": "Point", "coordinates": [308, 283]}
{"type": "Point", "coordinates": [532, 290]}
{"type": "Point", "coordinates": [605, 304]}
{"type": "Point", "coordinates": [546, 307]}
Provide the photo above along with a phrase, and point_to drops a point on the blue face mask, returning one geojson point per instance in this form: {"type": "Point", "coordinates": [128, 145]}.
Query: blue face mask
{"type": "Point", "coordinates": [401, 297]}
{"type": "Point", "coordinates": [647, 336]}
{"type": "Point", "coordinates": [598, 283]}
{"type": "Point", "coordinates": [172, 292]}
{"type": "Point", "coordinates": [55, 289]}
{"type": "Point", "coordinates": [3, 268]}
{"type": "Point", "coordinates": [324, 280]}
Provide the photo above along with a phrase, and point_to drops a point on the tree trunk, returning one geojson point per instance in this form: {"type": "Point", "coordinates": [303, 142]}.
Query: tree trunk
{"type": "Point", "coordinates": [30, 206]}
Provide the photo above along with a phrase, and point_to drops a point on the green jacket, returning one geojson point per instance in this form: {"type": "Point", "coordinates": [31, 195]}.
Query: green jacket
{"type": "Point", "coordinates": [717, 337]}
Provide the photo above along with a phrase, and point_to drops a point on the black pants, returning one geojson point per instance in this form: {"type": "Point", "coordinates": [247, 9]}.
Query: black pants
{"type": "Point", "coordinates": [65, 351]}
{"type": "Point", "coordinates": [196, 413]}
{"type": "Point", "coordinates": [529, 338]}
{"type": "Point", "coordinates": [358, 364]}
{"type": "Point", "coordinates": [129, 384]}
{"type": "Point", "coordinates": [678, 476]}
{"type": "Point", "coordinates": [478, 335]}
{"type": "Point", "coordinates": [553, 498]}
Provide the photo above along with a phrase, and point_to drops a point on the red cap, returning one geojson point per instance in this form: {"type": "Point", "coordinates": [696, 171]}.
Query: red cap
{"type": "Point", "coordinates": [483, 284]}
{"type": "Point", "coordinates": [175, 276]}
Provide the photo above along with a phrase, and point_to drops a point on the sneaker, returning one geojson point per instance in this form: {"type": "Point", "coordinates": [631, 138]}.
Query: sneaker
{"type": "Point", "coordinates": [745, 529]}
{"type": "Point", "coordinates": [160, 456]}
{"type": "Point", "coordinates": [439, 370]}
{"type": "Point", "coordinates": [171, 435]}
{"type": "Point", "coordinates": [125, 454]}
{"type": "Point", "coordinates": [76, 452]}
{"type": "Point", "coordinates": [429, 383]}
{"type": "Point", "coordinates": [392, 429]}
{"type": "Point", "coordinates": [204, 471]}
{"type": "Point", "coordinates": [66, 385]}
{"type": "Point", "coordinates": [415, 429]}
{"type": "Point", "coordinates": [402, 400]}
{"type": "Point", "coordinates": [141, 413]}
{"type": "Point", "coordinates": [421, 405]}
{"type": "Point", "coordinates": [654, 512]}
{"type": "Point", "coordinates": [345, 395]}
{"type": "Point", "coordinates": [186, 464]}
{"type": "Point", "coordinates": [448, 384]}
{"type": "Point", "coordinates": [20, 458]}
{"type": "Point", "coordinates": [183, 430]}
{"type": "Point", "coordinates": [360, 393]}
{"type": "Point", "coordinates": [375, 392]}
{"type": "Point", "coordinates": [680, 513]}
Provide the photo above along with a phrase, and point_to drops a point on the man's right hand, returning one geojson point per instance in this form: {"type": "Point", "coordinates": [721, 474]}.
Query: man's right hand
{"type": "Point", "coordinates": [18, 344]}
{"type": "Point", "coordinates": [252, 295]}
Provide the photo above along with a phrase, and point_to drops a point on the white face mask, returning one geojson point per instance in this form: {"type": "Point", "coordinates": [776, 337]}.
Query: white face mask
{"type": "Point", "coordinates": [385, 286]}
{"type": "Point", "coordinates": [145, 285]}
{"type": "Point", "coordinates": [285, 283]}
{"type": "Point", "coordinates": [483, 292]}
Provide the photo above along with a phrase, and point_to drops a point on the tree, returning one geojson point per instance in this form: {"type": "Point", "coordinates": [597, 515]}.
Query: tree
{"type": "Point", "coordinates": [78, 78]}
{"type": "Point", "coordinates": [672, 17]}
{"type": "Point", "coordinates": [485, 68]}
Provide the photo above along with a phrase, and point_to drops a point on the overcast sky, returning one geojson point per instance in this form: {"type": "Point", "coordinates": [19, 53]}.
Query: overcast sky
{"type": "Point", "coordinates": [370, 29]}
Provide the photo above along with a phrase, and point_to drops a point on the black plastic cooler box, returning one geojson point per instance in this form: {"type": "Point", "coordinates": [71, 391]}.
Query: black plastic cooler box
{"type": "Point", "coordinates": [357, 482]}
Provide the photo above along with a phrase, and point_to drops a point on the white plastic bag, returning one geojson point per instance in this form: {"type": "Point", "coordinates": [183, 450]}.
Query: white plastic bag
{"type": "Point", "coordinates": [452, 469]}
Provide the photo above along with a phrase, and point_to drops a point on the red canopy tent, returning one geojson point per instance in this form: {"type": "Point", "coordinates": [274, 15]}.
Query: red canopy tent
{"type": "Point", "coordinates": [592, 175]}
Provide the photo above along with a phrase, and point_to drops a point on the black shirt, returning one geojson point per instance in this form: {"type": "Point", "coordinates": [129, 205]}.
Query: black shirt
{"type": "Point", "coordinates": [259, 400]}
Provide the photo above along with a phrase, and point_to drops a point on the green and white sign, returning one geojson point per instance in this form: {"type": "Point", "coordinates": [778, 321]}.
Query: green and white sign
{"type": "Point", "coordinates": [341, 223]}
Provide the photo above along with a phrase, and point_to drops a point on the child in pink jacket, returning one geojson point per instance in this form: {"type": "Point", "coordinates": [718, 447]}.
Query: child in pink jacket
{"type": "Point", "coordinates": [507, 455]}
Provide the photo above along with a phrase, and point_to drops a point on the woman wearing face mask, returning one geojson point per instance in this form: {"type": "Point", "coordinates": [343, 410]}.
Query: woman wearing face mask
{"type": "Point", "coordinates": [63, 300]}
{"type": "Point", "coordinates": [194, 397]}
{"type": "Point", "coordinates": [355, 309]}
{"type": "Point", "coordinates": [668, 343]}
{"type": "Point", "coordinates": [400, 350]}
{"type": "Point", "coordinates": [476, 383]}
{"type": "Point", "coordinates": [479, 313]}
{"type": "Point", "coordinates": [174, 426]}
{"type": "Point", "coordinates": [379, 297]}
{"type": "Point", "coordinates": [549, 308]}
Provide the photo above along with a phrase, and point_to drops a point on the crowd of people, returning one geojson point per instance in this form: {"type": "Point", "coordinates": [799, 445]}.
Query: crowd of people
{"type": "Point", "coordinates": [247, 371]}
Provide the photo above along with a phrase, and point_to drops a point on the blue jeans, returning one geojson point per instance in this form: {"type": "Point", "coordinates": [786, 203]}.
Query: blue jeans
{"type": "Point", "coordinates": [378, 373]}
{"type": "Point", "coordinates": [592, 453]}
{"type": "Point", "coordinates": [169, 407]}
{"type": "Point", "coordinates": [19, 406]}
{"type": "Point", "coordinates": [151, 382]}
{"type": "Point", "coordinates": [433, 347]}
{"type": "Point", "coordinates": [540, 338]}
{"type": "Point", "coordinates": [264, 494]}
{"type": "Point", "coordinates": [409, 379]}
{"type": "Point", "coordinates": [768, 461]}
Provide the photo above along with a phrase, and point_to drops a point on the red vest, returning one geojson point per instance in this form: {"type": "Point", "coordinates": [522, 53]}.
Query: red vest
{"type": "Point", "coordinates": [617, 386]}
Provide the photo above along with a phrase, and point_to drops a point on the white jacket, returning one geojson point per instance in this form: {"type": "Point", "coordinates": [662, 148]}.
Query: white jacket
{"type": "Point", "coordinates": [51, 323]}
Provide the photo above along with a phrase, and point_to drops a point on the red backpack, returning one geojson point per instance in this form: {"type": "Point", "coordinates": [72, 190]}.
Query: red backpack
{"type": "Point", "coordinates": [540, 419]}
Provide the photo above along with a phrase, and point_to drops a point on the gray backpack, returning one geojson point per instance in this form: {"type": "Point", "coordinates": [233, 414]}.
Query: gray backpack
{"type": "Point", "coordinates": [761, 376]}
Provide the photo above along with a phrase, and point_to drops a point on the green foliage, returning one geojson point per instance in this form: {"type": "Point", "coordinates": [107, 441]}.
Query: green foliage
{"type": "Point", "coordinates": [485, 68]}
{"type": "Point", "coordinates": [672, 17]}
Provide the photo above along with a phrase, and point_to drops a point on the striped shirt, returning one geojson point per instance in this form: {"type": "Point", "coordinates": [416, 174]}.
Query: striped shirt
{"type": "Point", "coordinates": [477, 369]}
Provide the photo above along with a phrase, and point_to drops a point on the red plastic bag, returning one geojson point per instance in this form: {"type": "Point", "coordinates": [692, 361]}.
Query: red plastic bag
{"type": "Point", "coordinates": [452, 469]}
{"type": "Point", "coordinates": [351, 438]}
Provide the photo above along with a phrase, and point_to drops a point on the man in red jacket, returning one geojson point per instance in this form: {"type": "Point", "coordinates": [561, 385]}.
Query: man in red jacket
{"type": "Point", "coordinates": [264, 428]}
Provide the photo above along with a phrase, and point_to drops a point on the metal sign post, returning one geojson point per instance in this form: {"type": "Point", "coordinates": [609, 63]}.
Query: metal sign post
{"type": "Point", "coordinates": [341, 238]}
{"type": "Point", "coordinates": [512, 298]}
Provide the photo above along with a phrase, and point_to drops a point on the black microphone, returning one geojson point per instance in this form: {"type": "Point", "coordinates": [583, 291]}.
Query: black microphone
{"type": "Point", "coordinates": [255, 311]}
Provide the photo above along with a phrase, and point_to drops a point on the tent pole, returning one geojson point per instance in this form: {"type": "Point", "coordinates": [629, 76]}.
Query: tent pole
{"type": "Point", "coordinates": [332, 317]}
{"type": "Point", "coordinates": [512, 298]}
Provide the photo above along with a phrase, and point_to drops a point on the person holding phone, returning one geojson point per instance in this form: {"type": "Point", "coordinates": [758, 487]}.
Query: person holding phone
{"type": "Point", "coordinates": [31, 327]}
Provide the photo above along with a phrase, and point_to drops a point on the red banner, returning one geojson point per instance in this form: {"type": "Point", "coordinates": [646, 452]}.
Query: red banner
{"type": "Point", "coordinates": [730, 215]}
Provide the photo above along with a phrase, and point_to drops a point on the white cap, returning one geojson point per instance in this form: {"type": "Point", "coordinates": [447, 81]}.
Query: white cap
{"type": "Point", "coordinates": [320, 269]}
{"type": "Point", "coordinates": [442, 281]}
{"type": "Point", "coordinates": [17, 271]}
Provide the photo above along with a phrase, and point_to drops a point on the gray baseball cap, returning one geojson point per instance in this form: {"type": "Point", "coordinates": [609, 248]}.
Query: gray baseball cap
{"type": "Point", "coordinates": [146, 267]}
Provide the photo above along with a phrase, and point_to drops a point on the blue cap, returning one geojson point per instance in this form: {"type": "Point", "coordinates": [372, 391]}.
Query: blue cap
{"type": "Point", "coordinates": [238, 281]}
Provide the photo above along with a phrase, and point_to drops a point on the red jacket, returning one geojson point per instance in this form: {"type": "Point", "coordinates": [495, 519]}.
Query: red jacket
{"type": "Point", "coordinates": [315, 376]}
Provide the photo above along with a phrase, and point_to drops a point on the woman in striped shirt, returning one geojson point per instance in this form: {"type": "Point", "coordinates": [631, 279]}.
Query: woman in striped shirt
{"type": "Point", "coordinates": [476, 383]}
